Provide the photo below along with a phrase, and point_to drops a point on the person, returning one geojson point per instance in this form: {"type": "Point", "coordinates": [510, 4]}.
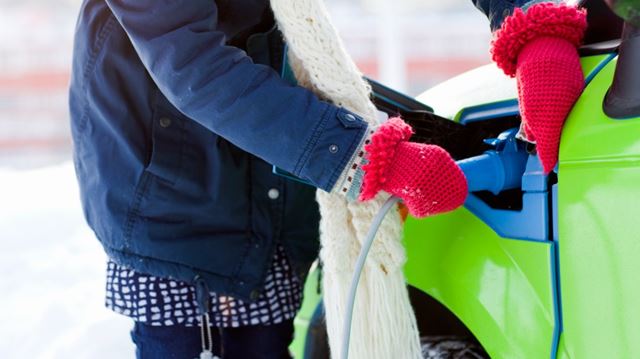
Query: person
{"type": "Point", "coordinates": [175, 132]}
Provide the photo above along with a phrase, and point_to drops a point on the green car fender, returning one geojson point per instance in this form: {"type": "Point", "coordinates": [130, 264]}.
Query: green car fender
{"type": "Point", "coordinates": [504, 290]}
{"type": "Point", "coordinates": [599, 179]}
{"type": "Point", "coordinates": [571, 297]}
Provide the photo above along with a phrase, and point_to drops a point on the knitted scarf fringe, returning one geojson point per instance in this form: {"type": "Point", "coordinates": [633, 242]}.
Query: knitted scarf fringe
{"type": "Point", "coordinates": [384, 324]}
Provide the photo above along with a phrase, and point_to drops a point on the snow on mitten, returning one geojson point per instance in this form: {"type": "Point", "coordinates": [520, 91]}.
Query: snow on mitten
{"type": "Point", "coordinates": [539, 48]}
{"type": "Point", "coordinates": [425, 176]}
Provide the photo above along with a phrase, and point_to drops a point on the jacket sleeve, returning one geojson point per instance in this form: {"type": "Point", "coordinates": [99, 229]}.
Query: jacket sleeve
{"type": "Point", "coordinates": [222, 89]}
{"type": "Point", "coordinates": [498, 10]}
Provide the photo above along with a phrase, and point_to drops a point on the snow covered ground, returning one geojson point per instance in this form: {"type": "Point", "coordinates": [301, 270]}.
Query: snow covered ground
{"type": "Point", "coordinates": [52, 272]}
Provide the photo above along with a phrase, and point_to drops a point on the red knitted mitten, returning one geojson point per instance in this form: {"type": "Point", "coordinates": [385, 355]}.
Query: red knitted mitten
{"type": "Point", "coordinates": [539, 48]}
{"type": "Point", "coordinates": [424, 176]}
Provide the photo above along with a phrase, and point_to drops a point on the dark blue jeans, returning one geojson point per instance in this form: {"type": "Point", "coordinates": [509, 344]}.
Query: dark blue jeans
{"type": "Point", "coordinates": [179, 342]}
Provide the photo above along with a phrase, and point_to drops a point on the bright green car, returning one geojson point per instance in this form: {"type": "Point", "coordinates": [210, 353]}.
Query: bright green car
{"type": "Point", "coordinates": [550, 269]}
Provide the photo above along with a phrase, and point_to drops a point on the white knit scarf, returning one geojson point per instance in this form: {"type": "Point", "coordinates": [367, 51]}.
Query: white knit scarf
{"type": "Point", "coordinates": [384, 325]}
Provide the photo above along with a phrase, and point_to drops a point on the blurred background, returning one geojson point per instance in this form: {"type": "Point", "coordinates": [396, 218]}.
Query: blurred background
{"type": "Point", "coordinates": [52, 286]}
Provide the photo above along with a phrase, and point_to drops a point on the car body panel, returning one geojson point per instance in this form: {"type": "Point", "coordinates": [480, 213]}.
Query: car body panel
{"type": "Point", "coordinates": [499, 288]}
{"type": "Point", "coordinates": [599, 181]}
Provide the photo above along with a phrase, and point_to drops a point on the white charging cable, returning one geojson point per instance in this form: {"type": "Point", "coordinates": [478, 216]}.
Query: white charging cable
{"type": "Point", "coordinates": [362, 257]}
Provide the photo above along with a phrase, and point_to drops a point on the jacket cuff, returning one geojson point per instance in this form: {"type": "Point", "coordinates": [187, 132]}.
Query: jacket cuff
{"type": "Point", "coordinates": [331, 147]}
{"type": "Point", "coordinates": [350, 181]}
{"type": "Point", "coordinates": [540, 20]}
{"type": "Point", "coordinates": [529, 4]}
{"type": "Point", "coordinates": [381, 153]}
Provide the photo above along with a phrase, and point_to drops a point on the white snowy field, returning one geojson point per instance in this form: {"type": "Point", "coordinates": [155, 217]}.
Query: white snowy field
{"type": "Point", "coordinates": [52, 273]}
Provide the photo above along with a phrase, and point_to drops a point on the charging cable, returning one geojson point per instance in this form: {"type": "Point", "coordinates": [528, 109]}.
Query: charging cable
{"type": "Point", "coordinates": [362, 257]}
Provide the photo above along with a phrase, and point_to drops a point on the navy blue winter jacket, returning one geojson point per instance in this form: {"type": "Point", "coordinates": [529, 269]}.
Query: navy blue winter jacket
{"type": "Point", "coordinates": [175, 130]}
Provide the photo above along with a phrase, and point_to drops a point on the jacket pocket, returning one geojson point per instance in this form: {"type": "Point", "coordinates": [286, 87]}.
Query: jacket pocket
{"type": "Point", "coordinates": [167, 145]}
